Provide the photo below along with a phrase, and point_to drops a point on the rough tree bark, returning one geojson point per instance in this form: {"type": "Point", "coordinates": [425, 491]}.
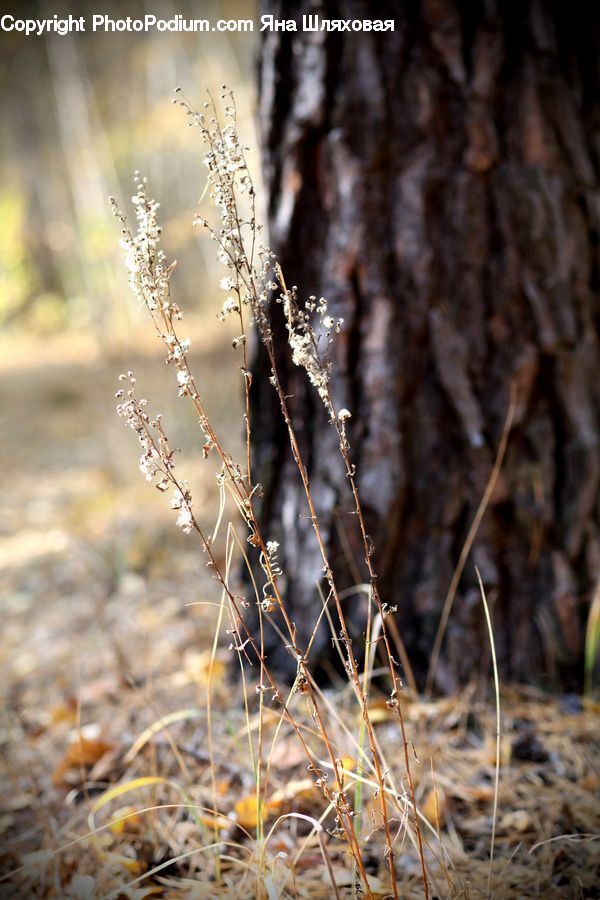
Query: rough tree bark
{"type": "Point", "coordinates": [439, 185]}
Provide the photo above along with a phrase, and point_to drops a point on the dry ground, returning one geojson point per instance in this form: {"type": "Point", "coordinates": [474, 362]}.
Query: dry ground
{"type": "Point", "coordinates": [100, 641]}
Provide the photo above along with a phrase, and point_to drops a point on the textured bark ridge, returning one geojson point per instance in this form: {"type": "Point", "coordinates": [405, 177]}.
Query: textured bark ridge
{"type": "Point", "coordinates": [440, 186]}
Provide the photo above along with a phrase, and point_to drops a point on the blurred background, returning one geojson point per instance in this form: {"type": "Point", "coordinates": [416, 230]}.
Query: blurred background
{"type": "Point", "coordinates": [80, 113]}
{"type": "Point", "coordinates": [95, 575]}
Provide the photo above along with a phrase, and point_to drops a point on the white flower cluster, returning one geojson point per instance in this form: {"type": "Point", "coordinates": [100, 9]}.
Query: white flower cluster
{"type": "Point", "coordinates": [231, 304]}
{"type": "Point", "coordinates": [228, 177]}
{"type": "Point", "coordinates": [305, 341]}
{"type": "Point", "coordinates": [177, 349]}
{"type": "Point", "coordinates": [149, 279]}
{"type": "Point", "coordinates": [230, 188]}
{"type": "Point", "coordinates": [182, 501]}
{"type": "Point", "coordinates": [146, 263]}
{"type": "Point", "coordinates": [156, 461]}
{"type": "Point", "coordinates": [255, 277]}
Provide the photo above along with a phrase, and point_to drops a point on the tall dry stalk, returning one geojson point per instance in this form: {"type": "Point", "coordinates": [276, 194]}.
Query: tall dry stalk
{"type": "Point", "coordinates": [255, 285]}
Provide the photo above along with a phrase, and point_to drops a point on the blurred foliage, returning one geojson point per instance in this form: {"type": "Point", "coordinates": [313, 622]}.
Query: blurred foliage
{"type": "Point", "coordinates": [80, 114]}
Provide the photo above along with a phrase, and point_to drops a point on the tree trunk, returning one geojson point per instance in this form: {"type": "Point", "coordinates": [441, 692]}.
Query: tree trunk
{"type": "Point", "coordinates": [439, 185]}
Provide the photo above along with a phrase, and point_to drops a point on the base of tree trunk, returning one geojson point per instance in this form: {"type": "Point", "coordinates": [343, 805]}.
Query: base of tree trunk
{"type": "Point", "coordinates": [439, 185]}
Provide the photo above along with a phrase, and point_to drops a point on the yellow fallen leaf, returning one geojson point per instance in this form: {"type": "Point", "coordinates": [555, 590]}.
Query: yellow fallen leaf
{"type": "Point", "coordinates": [516, 820]}
{"type": "Point", "coordinates": [434, 807]}
{"type": "Point", "coordinates": [223, 786]}
{"type": "Point", "coordinates": [505, 750]}
{"type": "Point", "coordinates": [246, 809]}
{"type": "Point", "coordinates": [212, 822]}
{"type": "Point", "coordinates": [380, 712]}
{"type": "Point", "coordinates": [64, 712]}
{"type": "Point", "coordinates": [247, 813]}
{"type": "Point", "coordinates": [133, 866]}
{"type": "Point", "coordinates": [204, 669]}
{"type": "Point", "coordinates": [348, 763]}
{"type": "Point", "coordinates": [80, 753]}
{"type": "Point", "coordinates": [125, 819]}
{"type": "Point", "coordinates": [125, 788]}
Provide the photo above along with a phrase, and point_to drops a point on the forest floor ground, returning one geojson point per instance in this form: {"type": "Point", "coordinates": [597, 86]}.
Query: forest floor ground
{"type": "Point", "coordinates": [108, 618]}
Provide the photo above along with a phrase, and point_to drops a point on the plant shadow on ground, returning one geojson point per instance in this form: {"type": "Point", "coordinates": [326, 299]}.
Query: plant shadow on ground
{"type": "Point", "coordinates": [108, 621]}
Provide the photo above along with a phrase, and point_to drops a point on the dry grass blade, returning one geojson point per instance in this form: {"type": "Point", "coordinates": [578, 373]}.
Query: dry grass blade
{"type": "Point", "coordinates": [318, 830]}
{"type": "Point", "coordinates": [468, 544]}
{"type": "Point", "coordinates": [592, 641]}
{"type": "Point", "coordinates": [155, 728]}
{"type": "Point", "coordinates": [488, 621]}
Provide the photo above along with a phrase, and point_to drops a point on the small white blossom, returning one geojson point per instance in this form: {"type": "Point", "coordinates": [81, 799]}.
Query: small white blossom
{"type": "Point", "coordinates": [148, 467]}
{"type": "Point", "coordinates": [184, 520]}
{"type": "Point", "coordinates": [180, 349]}
{"type": "Point", "coordinates": [176, 500]}
{"type": "Point", "coordinates": [230, 306]}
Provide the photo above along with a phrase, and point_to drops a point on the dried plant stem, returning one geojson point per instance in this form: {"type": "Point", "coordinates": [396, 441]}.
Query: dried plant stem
{"type": "Point", "coordinates": [394, 702]}
{"type": "Point", "coordinates": [340, 802]}
{"type": "Point", "coordinates": [488, 621]}
{"type": "Point", "coordinates": [341, 805]}
{"type": "Point", "coordinates": [209, 730]}
{"type": "Point", "coordinates": [353, 667]}
{"type": "Point", "coordinates": [252, 286]}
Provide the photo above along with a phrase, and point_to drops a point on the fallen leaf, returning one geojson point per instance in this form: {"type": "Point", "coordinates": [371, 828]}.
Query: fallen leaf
{"type": "Point", "coordinates": [301, 789]}
{"type": "Point", "coordinates": [134, 866]}
{"type": "Point", "coordinates": [516, 820]}
{"type": "Point", "coordinates": [589, 782]}
{"type": "Point", "coordinates": [125, 819]}
{"type": "Point", "coordinates": [246, 809]}
{"type": "Point", "coordinates": [204, 669]}
{"type": "Point", "coordinates": [380, 712]}
{"type": "Point", "coordinates": [106, 767]}
{"type": "Point", "coordinates": [214, 822]}
{"type": "Point", "coordinates": [119, 789]}
{"type": "Point", "coordinates": [287, 754]}
{"type": "Point", "coordinates": [223, 786]}
{"type": "Point", "coordinates": [434, 807]}
{"type": "Point", "coordinates": [64, 712]}
{"type": "Point", "coordinates": [81, 753]}
{"type": "Point", "coordinates": [348, 763]}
